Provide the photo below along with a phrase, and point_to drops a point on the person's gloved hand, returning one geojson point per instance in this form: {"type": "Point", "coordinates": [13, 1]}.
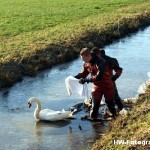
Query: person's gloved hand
{"type": "Point", "coordinates": [77, 77]}
{"type": "Point", "coordinates": [114, 77]}
{"type": "Point", "coordinates": [83, 80]}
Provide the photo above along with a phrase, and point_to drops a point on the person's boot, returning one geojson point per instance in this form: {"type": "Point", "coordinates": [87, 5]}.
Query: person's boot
{"type": "Point", "coordinates": [94, 109]}
{"type": "Point", "coordinates": [117, 99]}
{"type": "Point", "coordinates": [111, 107]}
{"type": "Point", "coordinates": [119, 103]}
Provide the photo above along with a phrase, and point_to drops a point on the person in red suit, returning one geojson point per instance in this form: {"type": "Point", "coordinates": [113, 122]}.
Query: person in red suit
{"type": "Point", "coordinates": [113, 66]}
{"type": "Point", "coordinates": [101, 79]}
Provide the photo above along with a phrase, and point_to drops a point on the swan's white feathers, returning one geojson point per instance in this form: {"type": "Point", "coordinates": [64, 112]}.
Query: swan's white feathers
{"type": "Point", "coordinates": [48, 114]}
{"type": "Point", "coordinates": [54, 115]}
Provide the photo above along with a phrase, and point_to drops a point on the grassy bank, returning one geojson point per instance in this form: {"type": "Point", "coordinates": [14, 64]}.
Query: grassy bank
{"type": "Point", "coordinates": [22, 16]}
{"type": "Point", "coordinates": [36, 35]}
{"type": "Point", "coordinates": [134, 127]}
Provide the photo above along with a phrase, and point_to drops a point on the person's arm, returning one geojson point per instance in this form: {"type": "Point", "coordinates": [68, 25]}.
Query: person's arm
{"type": "Point", "coordinates": [101, 69]}
{"type": "Point", "coordinates": [82, 74]}
{"type": "Point", "coordinates": [117, 69]}
{"type": "Point", "coordinates": [100, 63]}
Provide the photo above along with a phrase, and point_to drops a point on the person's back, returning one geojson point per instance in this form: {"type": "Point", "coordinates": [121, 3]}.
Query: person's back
{"type": "Point", "coordinates": [113, 66]}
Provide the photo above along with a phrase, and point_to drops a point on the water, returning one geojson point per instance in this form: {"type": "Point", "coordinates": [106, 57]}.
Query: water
{"type": "Point", "coordinates": [20, 131]}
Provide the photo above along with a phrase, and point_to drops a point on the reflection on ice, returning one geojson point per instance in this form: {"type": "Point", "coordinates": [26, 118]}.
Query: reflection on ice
{"type": "Point", "coordinates": [55, 124]}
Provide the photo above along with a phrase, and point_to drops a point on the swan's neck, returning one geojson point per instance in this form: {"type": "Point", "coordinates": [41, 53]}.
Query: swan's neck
{"type": "Point", "coordinates": [37, 110]}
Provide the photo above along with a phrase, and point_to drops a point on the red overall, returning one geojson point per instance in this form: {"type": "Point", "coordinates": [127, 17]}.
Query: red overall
{"type": "Point", "coordinates": [113, 65]}
{"type": "Point", "coordinates": [104, 86]}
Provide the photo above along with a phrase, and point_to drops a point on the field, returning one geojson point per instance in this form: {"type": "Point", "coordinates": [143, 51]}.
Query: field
{"type": "Point", "coordinates": [35, 34]}
{"type": "Point", "coordinates": [22, 16]}
{"type": "Point", "coordinates": [26, 25]}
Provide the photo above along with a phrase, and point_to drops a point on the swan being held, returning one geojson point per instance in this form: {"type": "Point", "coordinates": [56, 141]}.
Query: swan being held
{"type": "Point", "coordinates": [48, 114]}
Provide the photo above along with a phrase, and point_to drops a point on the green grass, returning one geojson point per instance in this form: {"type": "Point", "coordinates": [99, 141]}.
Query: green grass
{"type": "Point", "coordinates": [18, 16]}
{"type": "Point", "coordinates": [26, 25]}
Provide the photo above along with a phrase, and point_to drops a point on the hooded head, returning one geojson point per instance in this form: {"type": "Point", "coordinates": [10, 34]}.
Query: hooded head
{"type": "Point", "coordinates": [98, 52]}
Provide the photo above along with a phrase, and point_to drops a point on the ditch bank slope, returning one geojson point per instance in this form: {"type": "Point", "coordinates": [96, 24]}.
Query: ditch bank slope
{"type": "Point", "coordinates": [131, 131]}
{"type": "Point", "coordinates": [47, 56]}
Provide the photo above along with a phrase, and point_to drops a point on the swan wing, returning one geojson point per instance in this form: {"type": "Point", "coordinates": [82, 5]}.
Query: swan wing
{"type": "Point", "coordinates": [44, 111]}
{"type": "Point", "coordinates": [51, 115]}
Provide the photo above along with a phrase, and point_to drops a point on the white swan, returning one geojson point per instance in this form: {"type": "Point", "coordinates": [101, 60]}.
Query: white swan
{"type": "Point", "coordinates": [48, 114]}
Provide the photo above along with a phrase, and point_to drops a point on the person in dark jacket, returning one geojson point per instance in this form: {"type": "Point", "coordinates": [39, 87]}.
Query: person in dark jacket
{"type": "Point", "coordinates": [101, 79]}
{"type": "Point", "coordinates": [113, 67]}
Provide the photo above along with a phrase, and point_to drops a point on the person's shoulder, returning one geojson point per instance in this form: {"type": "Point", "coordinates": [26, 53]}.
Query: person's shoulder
{"type": "Point", "coordinates": [95, 57]}
{"type": "Point", "coordinates": [111, 58]}
{"type": "Point", "coordinates": [100, 60]}
{"type": "Point", "coordinates": [114, 59]}
{"type": "Point", "coordinates": [108, 57]}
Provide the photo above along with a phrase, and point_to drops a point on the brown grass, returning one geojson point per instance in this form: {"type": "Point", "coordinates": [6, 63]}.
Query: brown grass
{"type": "Point", "coordinates": [41, 56]}
{"type": "Point", "coordinates": [135, 126]}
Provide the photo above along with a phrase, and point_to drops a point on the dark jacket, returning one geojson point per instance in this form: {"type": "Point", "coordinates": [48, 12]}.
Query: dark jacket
{"type": "Point", "coordinates": [97, 68]}
{"type": "Point", "coordinates": [113, 66]}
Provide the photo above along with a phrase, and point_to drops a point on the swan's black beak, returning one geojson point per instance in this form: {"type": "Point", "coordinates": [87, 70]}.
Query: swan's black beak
{"type": "Point", "coordinates": [29, 104]}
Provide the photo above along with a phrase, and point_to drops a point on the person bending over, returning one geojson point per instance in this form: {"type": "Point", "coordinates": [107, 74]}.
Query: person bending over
{"type": "Point", "coordinates": [101, 79]}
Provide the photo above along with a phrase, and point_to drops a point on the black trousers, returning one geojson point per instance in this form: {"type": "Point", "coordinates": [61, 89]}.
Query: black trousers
{"type": "Point", "coordinates": [117, 99]}
{"type": "Point", "coordinates": [111, 106]}
{"type": "Point", "coordinates": [95, 108]}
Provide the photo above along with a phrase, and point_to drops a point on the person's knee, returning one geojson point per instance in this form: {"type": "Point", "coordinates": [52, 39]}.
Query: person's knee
{"type": "Point", "coordinates": [109, 95]}
{"type": "Point", "coordinates": [97, 95]}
